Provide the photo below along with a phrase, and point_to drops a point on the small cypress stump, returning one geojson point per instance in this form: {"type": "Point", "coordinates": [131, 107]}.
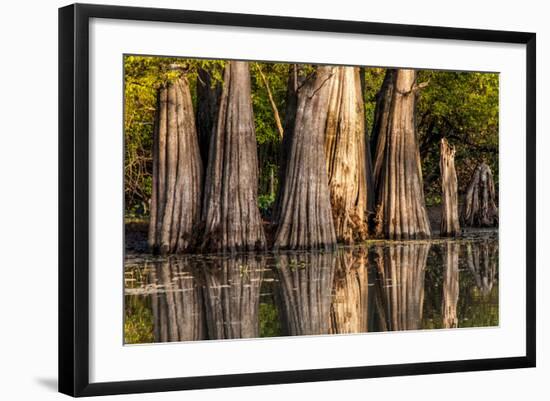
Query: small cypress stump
{"type": "Point", "coordinates": [177, 172]}
{"type": "Point", "coordinates": [450, 286]}
{"type": "Point", "coordinates": [450, 225]}
{"type": "Point", "coordinates": [480, 208]}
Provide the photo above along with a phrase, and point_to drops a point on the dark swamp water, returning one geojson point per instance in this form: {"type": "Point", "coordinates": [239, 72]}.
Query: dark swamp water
{"type": "Point", "coordinates": [378, 286]}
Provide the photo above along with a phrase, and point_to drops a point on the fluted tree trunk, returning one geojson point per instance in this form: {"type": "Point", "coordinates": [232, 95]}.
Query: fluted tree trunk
{"type": "Point", "coordinates": [208, 97]}
{"type": "Point", "coordinates": [401, 210]}
{"type": "Point", "coordinates": [177, 172]}
{"type": "Point", "coordinates": [479, 209]}
{"type": "Point", "coordinates": [231, 218]}
{"type": "Point", "coordinates": [304, 216]}
{"type": "Point", "coordinates": [346, 153]}
{"type": "Point", "coordinates": [450, 286]}
{"type": "Point", "coordinates": [482, 260]}
{"type": "Point", "coordinates": [450, 225]}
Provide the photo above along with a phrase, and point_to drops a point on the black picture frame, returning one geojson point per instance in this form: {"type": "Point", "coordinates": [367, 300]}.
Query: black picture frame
{"type": "Point", "coordinates": [74, 198]}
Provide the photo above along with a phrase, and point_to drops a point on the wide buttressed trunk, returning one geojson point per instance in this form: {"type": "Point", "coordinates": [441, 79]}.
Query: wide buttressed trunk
{"type": "Point", "coordinates": [479, 209]}
{"type": "Point", "coordinates": [304, 216]}
{"type": "Point", "coordinates": [177, 172]}
{"type": "Point", "coordinates": [401, 210]}
{"type": "Point", "coordinates": [231, 218]}
{"type": "Point", "coordinates": [450, 225]}
{"type": "Point", "coordinates": [450, 286]}
{"type": "Point", "coordinates": [346, 153]}
{"type": "Point", "coordinates": [482, 260]}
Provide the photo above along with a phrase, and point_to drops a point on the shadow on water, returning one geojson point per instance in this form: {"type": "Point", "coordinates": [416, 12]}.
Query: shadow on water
{"type": "Point", "coordinates": [379, 286]}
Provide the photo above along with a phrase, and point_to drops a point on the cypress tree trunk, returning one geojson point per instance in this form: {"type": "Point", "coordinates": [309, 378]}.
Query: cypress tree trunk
{"type": "Point", "coordinates": [304, 217]}
{"type": "Point", "coordinates": [450, 286]}
{"type": "Point", "coordinates": [305, 292]}
{"type": "Point", "coordinates": [231, 218]}
{"type": "Point", "coordinates": [381, 123]}
{"type": "Point", "coordinates": [177, 172]}
{"type": "Point", "coordinates": [480, 208]}
{"type": "Point", "coordinates": [177, 308]}
{"type": "Point", "coordinates": [232, 297]}
{"type": "Point", "coordinates": [346, 152]}
{"type": "Point", "coordinates": [208, 98]}
{"type": "Point", "coordinates": [450, 225]}
{"type": "Point", "coordinates": [401, 271]}
{"type": "Point", "coordinates": [401, 210]}
{"type": "Point", "coordinates": [349, 309]}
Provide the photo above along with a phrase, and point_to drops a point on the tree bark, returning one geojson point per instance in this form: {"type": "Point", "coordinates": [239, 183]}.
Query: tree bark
{"type": "Point", "coordinates": [232, 297]}
{"type": "Point", "coordinates": [346, 153]}
{"type": "Point", "coordinates": [304, 217]}
{"type": "Point", "coordinates": [482, 260]}
{"type": "Point", "coordinates": [450, 286]}
{"type": "Point", "coordinates": [349, 309]}
{"type": "Point", "coordinates": [177, 172]}
{"type": "Point", "coordinates": [450, 225]}
{"type": "Point", "coordinates": [208, 101]}
{"type": "Point", "coordinates": [401, 211]}
{"type": "Point", "coordinates": [401, 271]}
{"type": "Point", "coordinates": [479, 209]}
{"type": "Point", "coordinates": [231, 218]}
{"type": "Point", "coordinates": [305, 292]}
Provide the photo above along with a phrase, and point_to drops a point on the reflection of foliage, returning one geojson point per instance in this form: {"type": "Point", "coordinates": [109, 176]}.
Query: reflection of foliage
{"type": "Point", "coordinates": [269, 320]}
{"type": "Point", "coordinates": [138, 321]}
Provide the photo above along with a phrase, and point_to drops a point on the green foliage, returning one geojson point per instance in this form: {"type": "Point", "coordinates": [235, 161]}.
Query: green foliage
{"type": "Point", "coordinates": [138, 321]}
{"type": "Point", "coordinates": [270, 325]}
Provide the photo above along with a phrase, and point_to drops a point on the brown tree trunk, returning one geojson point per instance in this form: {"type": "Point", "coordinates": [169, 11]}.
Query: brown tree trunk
{"type": "Point", "coordinates": [450, 286]}
{"type": "Point", "coordinates": [450, 225]}
{"type": "Point", "coordinates": [401, 211]}
{"type": "Point", "coordinates": [381, 123]}
{"type": "Point", "coordinates": [304, 217]}
{"type": "Point", "coordinates": [479, 209]}
{"type": "Point", "coordinates": [346, 152]}
{"type": "Point", "coordinates": [232, 297]}
{"type": "Point", "coordinates": [349, 309]}
{"type": "Point", "coordinates": [177, 306]}
{"type": "Point", "coordinates": [305, 292]}
{"type": "Point", "coordinates": [401, 270]}
{"type": "Point", "coordinates": [177, 172]}
{"type": "Point", "coordinates": [208, 101]}
{"type": "Point", "coordinates": [231, 218]}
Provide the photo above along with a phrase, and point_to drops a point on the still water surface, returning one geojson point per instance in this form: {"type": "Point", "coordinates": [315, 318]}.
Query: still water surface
{"type": "Point", "coordinates": [378, 286]}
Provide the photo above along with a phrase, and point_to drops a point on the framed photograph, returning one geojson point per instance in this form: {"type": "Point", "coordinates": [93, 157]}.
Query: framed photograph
{"type": "Point", "coordinates": [249, 199]}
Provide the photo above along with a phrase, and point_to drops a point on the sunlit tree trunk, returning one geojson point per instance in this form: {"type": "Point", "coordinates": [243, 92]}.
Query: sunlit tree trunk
{"type": "Point", "coordinates": [450, 286]}
{"type": "Point", "coordinates": [479, 209]}
{"type": "Point", "coordinates": [177, 172]}
{"type": "Point", "coordinates": [231, 218]}
{"type": "Point", "coordinates": [401, 271]}
{"type": "Point", "coordinates": [450, 225]}
{"type": "Point", "coordinates": [304, 219]}
{"type": "Point", "coordinates": [346, 152]}
{"type": "Point", "coordinates": [177, 307]}
{"type": "Point", "coordinates": [401, 210]}
{"type": "Point", "coordinates": [232, 297]}
{"type": "Point", "coordinates": [305, 292]}
{"type": "Point", "coordinates": [349, 309]}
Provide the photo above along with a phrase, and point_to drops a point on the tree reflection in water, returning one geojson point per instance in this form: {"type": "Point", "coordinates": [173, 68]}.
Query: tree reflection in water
{"type": "Point", "coordinates": [378, 287]}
